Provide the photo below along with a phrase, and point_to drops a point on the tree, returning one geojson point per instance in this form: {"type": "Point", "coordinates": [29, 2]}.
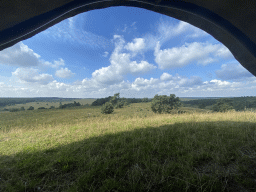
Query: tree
{"type": "Point", "coordinates": [115, 99]}
{"type": "Point", "coordinates": [107, 108]}
{"type": "Point", "coordinates": [77, 104]}
{"type": "Point", "coordinates": [165, 104]}
{"type": "Point", "coordinates": [117, 102]}
{"type": "Point", "coordinates": [31, 108]}
{"type": "Point", "coordinates": [222, 105]}
{"type": "Point", "coordinates": [22, 109]}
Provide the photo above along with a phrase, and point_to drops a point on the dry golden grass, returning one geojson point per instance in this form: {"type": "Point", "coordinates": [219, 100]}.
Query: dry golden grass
{"type": "Point", "coordinates": [130, 150]}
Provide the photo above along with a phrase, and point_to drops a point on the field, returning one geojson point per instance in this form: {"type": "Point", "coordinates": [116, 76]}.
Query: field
{"type": "Point", "coordinates": [133, 149]}
{"type": "Point", "coordinates": [36, 105]}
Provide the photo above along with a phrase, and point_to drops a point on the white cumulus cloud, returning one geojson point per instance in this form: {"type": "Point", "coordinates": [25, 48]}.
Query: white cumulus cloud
{"type": "Point", "coordinates": [165, 77]}
{"type": "Point", "coordinates": [202, 53]}
{"type": "Point", "coordinates": [107, 75]}
{"type": "Point", "coordinates": [137, 45]}
{"type": "Point", "coordinates": [121, 64]}
{"type": "Point", "coordinates": [31, 75]}
{"type": "Point", "coordinates": [55, 63]}
{"type": "Point", "coordinates": [64, 73]}
{"type": "Point", "coordinates": [19, 55]}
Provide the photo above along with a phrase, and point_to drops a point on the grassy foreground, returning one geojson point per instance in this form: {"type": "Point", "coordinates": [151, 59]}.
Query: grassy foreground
{"type": "Point", "coordinates": [126, 151]}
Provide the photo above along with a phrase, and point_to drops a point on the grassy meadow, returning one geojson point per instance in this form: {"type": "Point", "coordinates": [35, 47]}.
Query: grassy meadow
{"type": "Point", "coordinates": [56, 104]}
{"type": "Point", "coordinates": [132, 149]}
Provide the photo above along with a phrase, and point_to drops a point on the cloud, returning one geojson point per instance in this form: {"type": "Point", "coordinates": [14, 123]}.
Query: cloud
{"type": "Point", "coordinates": [64, 73]}
{"type": "Point", "coordinates": [140, 68]}
{"type": "Point", "coordinates": [167, 30]}
{"type": "Point", "coordinates": [202, 53]}
{"type": "Point", "coordinates": [70, 30]}
{"type": "Point", "coordinates": [55, 63]}
{"type": "Point", "coordinates": [233, 72]}
{"type": "Point", "coordinates": [143, 84]}
{"type": "Point", "coordinates": [124, 30]}
{"type": "Point", "coordinates": [219, 83]}
{"type": "Point", "coordinates": [178, 81]}
{"type": "Point", "coordinates": [165, 77]}
{"type": "Point", "coordinates": [137, 45]}
{"type": "Point", "coordinates": [193, 81]}
{"type": "Point", "coordinates": [140, 87]}
{"type": "Point", "coordinates": [105, 54]}
{"type": "Point", "coordinates": [30, 75]}
{"type": "Point", "coordinates": [107, 75]}
{"type": "Point", "coordinates": [19, 55]}
{"type": "Point", "coordinates": [121, 64]}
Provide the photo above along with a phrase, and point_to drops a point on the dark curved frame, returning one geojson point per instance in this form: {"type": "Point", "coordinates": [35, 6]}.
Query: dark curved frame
{"type": "Point", "coordinates": [243, 49]}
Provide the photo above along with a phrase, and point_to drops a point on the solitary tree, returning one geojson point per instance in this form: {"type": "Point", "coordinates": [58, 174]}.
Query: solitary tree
{"type": "Point", "coordinates": [164, 104]}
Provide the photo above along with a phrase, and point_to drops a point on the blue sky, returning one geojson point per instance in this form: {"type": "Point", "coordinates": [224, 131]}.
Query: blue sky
{"type": "Point", "coordinates": [133, 51]}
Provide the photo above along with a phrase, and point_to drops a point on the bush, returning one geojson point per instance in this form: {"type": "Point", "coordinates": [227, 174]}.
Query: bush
{"type": "Point", "coordinates": [14, 110]}
{"type": "Point", "coordinates": [75, 104]}
{"type": "Point", "coordinates": [22, 109]}
{"type": "Point", "coordinates": [107, 108]}
{"type": "Point", "coordinates": [31, 108]}
{"type": "Point", "coordinates": [52, 107]}
{"type": "Point", "coordinates": [164, 104]}
{"type": "Point", "coordinates": [41, 108]}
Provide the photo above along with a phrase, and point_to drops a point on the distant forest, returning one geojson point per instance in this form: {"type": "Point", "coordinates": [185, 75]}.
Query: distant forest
{"type": "Point", "coordinates": [237, 103]}
{"type": "Point", "coordinates": [102, 101]}
{"type": "Point", "coordinates": [13, 101]}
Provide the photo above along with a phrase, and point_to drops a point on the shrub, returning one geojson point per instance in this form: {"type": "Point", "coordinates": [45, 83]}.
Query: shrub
{"type": "Point", "coordinates": [69, 105]}
{"type": "Point", "coordinates": [41, 108]}
{"type": "Point", "coordinates": [14, 110]}
{"type": "Point", "coordinates": [31, 108]}
{"type": "Point", "coordinates": [107, 108]}
{"type": "Point", "coordinates": [164, 104]}
{"type": "Point", "coordinates": [52, 107]}
{"type": "Point", "coordinates": [22, 109]}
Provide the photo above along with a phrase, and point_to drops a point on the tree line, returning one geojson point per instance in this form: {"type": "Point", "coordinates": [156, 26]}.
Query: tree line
{"type": "Point", "coordinates": [13, 101]}
{"type": "Point", "coordinates": [236, 103]}
{"type": "Point", "coordinates": [102, 101]}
